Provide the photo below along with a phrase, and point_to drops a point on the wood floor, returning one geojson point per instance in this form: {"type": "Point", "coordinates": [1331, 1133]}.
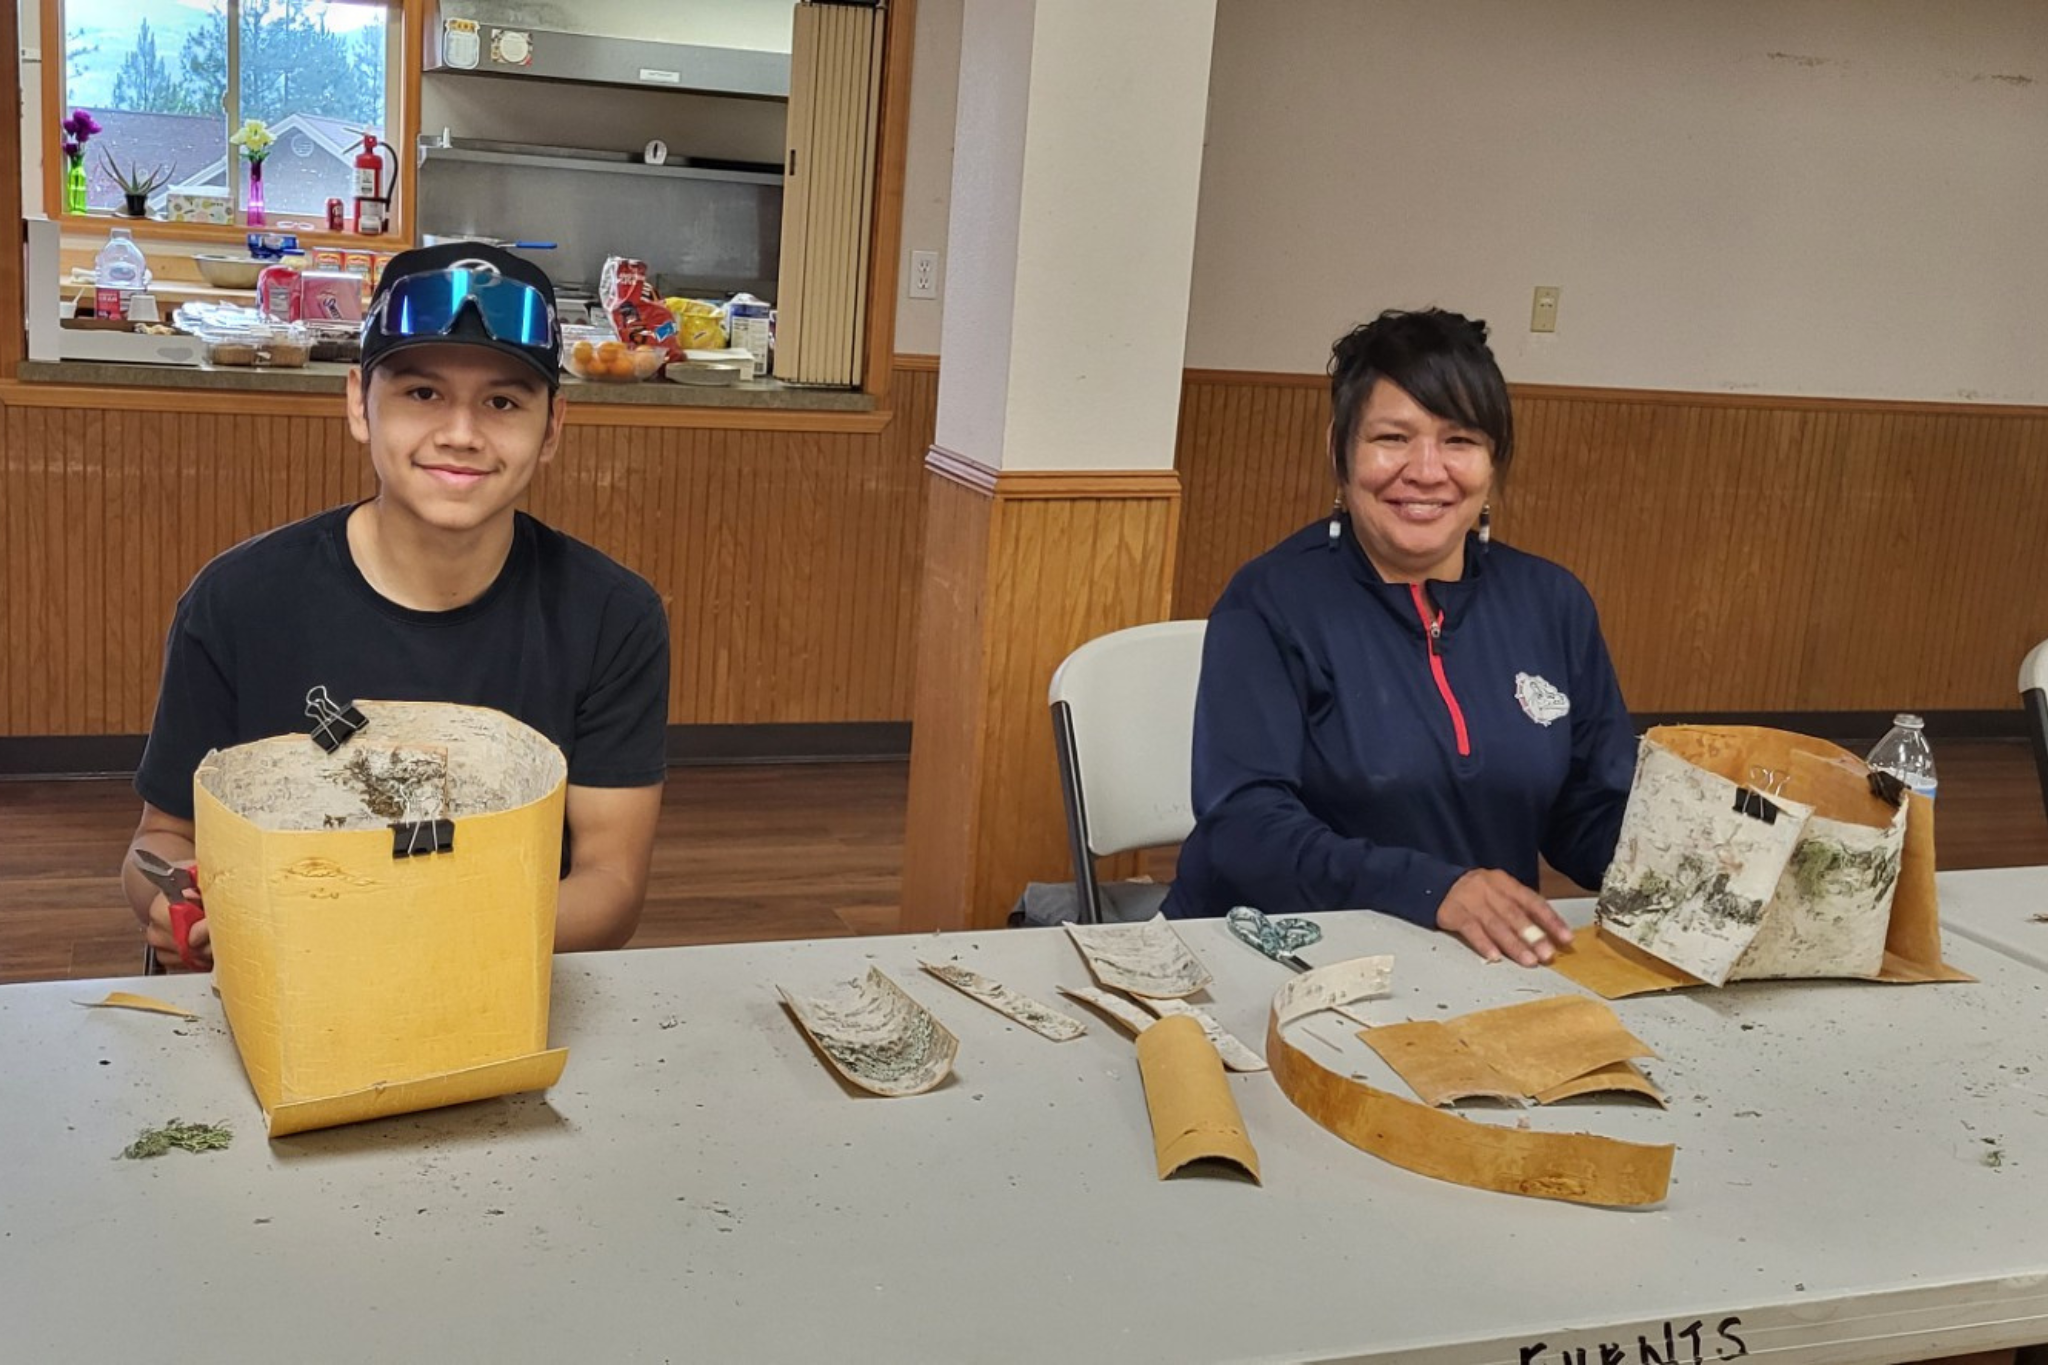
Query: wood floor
{"type": "Point", "coordinates": [757, 852]}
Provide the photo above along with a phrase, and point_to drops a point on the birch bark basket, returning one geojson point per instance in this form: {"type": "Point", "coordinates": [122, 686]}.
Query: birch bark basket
{"type": "Point", "coordinates": [1724, 881]}
{"type": "Point", "coordinates": [360, 983]}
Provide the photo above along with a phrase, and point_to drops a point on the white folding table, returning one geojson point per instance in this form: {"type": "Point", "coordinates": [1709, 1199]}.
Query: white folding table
{"type": "Point", "coordinates": [1862, 1176]}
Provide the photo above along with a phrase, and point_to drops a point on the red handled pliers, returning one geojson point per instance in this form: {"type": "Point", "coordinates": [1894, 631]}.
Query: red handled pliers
{"type": "Point", "coordinates": [181, 890]}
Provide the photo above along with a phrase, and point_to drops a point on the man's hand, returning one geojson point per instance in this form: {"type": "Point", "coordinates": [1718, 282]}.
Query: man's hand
{"type": "Point", "coordinates": [170, 838]}
{"type": "Point", "coordinates": [1499, 917]}
{"type": "Point", "coordinates": [159, 935]}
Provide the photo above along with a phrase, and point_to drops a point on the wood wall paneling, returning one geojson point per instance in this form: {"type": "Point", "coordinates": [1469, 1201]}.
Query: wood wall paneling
{"type": "Point", "coordinates": [950, 701]}
{"type": "Point", "coordinates": [1746, 552]}
{"type": "Point", "coordinates": [1019, 570]}
{"type": "Point", "coordinates": [788, 558]}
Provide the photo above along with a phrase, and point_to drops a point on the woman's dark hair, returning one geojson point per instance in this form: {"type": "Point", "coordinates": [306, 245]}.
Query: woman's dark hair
{"type": "Point", "coordinates": [1440, 359]}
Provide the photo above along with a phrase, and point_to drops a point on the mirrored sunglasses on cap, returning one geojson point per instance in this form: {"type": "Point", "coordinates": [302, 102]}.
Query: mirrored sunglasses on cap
{"type": "Point", "coordinates": [429, 303]}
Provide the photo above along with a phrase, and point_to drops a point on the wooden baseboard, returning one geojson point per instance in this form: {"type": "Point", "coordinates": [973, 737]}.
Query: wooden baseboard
{"type": "Point", "coordinates": [1856, 730]}
{"type": "Point", "coordinates": [689, 746]}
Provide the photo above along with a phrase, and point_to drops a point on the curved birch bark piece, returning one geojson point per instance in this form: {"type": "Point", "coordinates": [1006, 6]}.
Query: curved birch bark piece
{"type": "Point", "coordinates": [1235, 1054]}
{"type": "Point", "coordinates": [1115, 1006]}
{"type": "Point", "coordinates": [1580, 1168]}
{"type": "Point", "coordinates": [1147, 958]}
{"type": "Point", "coordinates": [124, 1000]}
{"type": "Point", "coordinates": [1187, 1097]}
{"type": "Point", "coordinates": [1040, 1018]}
{"type": "Point", "coordinates": [876, 1035]}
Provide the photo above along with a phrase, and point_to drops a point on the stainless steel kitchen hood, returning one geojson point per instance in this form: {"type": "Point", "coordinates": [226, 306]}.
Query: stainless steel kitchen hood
{"type": "Point", "coordinates": [483, 48]}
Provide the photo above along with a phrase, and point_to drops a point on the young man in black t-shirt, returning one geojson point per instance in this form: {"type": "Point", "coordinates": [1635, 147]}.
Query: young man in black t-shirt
{"type": "Point", "coordinates": [437, 589]}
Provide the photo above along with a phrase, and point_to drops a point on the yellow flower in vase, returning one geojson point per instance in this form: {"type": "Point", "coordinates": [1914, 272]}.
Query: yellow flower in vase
{"type": "Point", "coordinates": [254, 138]}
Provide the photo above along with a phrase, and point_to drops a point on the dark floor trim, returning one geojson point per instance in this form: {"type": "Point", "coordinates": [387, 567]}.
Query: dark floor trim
{"type": "Point", "coordinates": [692, 746]}
{"type": "Point", "coordinates": [689, 746]}
{"type": "Point", "coordinates": [838, 742]}
{"type": "Point", "coordinates": [70, 755]}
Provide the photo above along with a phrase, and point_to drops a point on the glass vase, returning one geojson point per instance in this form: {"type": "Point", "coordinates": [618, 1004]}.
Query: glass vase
{"type": "Point", "coordinates": [74, 186]}
{"type": "Point", "coordinates": [255, 194]}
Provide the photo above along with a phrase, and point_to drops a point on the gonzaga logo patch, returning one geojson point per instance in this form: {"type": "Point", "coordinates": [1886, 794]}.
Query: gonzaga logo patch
{"type": "Point", "coordinates": [1540, 700]}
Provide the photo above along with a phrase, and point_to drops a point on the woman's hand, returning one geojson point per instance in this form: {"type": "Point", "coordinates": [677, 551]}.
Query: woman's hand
{"type": "Point", "coordinates": [1498, 916]}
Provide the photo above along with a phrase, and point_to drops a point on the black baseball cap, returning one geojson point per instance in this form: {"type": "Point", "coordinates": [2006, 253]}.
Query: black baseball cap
{"type": "Point", "coordinates": [454, 293]}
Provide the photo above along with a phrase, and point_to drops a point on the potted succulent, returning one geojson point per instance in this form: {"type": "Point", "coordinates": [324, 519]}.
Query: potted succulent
{"type": "Point", "coordinates": [136, 184]}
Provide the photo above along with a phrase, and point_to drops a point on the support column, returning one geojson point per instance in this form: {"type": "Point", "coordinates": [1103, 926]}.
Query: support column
{"type": "Point", "coordinates": [1052, 504]}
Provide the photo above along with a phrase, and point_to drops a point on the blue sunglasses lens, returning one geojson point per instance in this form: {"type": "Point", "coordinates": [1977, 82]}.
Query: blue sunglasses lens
{"type": "Point", "coordinates": [428, 306]}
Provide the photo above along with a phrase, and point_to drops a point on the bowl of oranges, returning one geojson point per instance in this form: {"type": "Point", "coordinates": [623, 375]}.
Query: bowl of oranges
{"type": "Point", "coordinates": [613, 362]}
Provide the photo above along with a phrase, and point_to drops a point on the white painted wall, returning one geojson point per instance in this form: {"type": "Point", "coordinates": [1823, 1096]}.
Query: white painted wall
{"type": "Point", "coordinates": [32, 109]}
{"type": "Point", "coordinates": [1072, 231]}
{"type": "Point", "coordinates": [986, 205]}
{"type": "Point", "coordinates": [928, 168]}
{"type": "Point", "coordinates": [1113, 170]}
{"type": "Point", "coordinates": [1793, 196]}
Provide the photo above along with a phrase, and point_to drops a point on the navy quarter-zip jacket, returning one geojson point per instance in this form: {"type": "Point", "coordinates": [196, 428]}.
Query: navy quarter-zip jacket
{"type": "Point", "coordinates": [1364, 744]}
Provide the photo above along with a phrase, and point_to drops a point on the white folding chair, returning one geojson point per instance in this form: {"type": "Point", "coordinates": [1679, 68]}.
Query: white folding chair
{"type": "Point", "coordinates": [1123, 716]}
{"type": "Point", "coordinates": [2034, 698]}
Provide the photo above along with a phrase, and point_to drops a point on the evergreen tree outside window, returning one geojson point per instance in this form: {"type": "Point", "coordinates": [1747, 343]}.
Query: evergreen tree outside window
{"type": "Point", "coordinates": [163, 78]}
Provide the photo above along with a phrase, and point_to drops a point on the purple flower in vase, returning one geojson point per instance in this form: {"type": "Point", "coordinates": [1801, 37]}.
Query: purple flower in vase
{"type": "Point", "coordinates": [73, 151]}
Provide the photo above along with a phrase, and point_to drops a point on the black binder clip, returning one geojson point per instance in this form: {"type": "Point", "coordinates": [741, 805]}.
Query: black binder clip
{"type": "Point", "coordinates": [418, 838]}
{"type": "Point", "coordinates": [1887, 788]}
{"type": "Point", "coordinates": [1756, 805]}
{"type": "Point", "coordinates": [333, 725]}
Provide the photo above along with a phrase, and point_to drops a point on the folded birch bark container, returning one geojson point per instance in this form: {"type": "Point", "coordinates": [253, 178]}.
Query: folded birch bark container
{"type": "Point", "coordinates": [383, 916]}
{"type": "Point", "coordinates": [1750, 854]}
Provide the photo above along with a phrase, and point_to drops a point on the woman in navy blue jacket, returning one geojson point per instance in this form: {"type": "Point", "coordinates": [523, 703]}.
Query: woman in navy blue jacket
{"type": "Point", "coordinates": [1394, 713]}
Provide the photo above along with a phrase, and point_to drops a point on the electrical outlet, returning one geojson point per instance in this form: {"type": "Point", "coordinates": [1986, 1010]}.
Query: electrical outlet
{"type": "Point", "coordinates": [1543, 313]}
{"type": "Point", "coordinates": [924, 274]}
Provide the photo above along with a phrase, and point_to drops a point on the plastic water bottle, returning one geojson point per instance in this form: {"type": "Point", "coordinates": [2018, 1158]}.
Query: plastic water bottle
{"type": "Point", "coordinates": [121, 264]}
{"type": "Point", "coordinates": [118, 271]}
{"type": "Point", "coordinates": [1904, 754]}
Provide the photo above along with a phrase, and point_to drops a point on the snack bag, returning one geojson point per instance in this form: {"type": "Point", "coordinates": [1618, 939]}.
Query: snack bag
{"type": "Point", "coordinates": [699, 323]}
{"type": "Point", "coordinates": [636, 311]}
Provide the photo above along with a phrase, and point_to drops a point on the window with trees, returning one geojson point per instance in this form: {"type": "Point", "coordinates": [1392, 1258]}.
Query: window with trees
{"type": "Point", "coordinates": [169, 80]}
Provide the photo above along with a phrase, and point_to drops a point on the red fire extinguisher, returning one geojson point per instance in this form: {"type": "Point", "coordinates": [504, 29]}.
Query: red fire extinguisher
{"type": "Point", "coordinates": [373, 185]}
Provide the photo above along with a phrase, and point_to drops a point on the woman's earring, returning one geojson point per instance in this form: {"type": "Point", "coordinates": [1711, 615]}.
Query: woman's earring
{"type": "Point", "coordinates": [1485, 523]}
{"type": "Point", "coordinates": [1336, 510]}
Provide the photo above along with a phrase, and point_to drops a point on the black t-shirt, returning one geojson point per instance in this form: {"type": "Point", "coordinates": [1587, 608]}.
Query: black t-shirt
{"type": "Point", "coordinates": [564, 640]}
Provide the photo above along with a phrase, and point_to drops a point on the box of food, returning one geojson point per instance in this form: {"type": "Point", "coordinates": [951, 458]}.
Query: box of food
{"type": "Point", "coordinates": [198, 205]}
{"type": "Point", "coordinates": [124, 342]}
{"type": "Point", "coordinates": [284, 346]}
{"type": "Point", "coordinates": [330, 296]}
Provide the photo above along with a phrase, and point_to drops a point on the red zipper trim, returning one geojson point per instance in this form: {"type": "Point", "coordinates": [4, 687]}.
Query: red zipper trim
{"type": "Point", "coordinates": [1431, 627]}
